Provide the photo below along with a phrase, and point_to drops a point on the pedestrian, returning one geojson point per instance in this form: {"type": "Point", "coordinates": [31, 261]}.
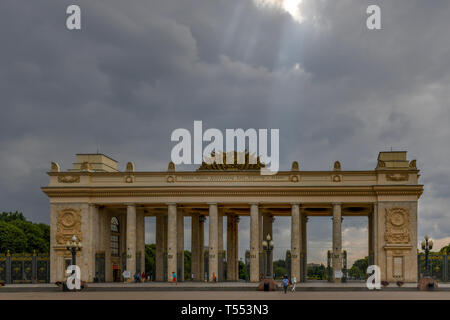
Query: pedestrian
{"type": "Point", "coordinates": [192, 277]}
{"type": "Point", "coordinates": [143, 276]}
{"type": "Point", "coordinates": [214, 277]}
{"type": "Point", "coordinates": [294, 281]}
{"type": "Point", "coordinates": [174, 277]}
{"type": "Point", "coordinates": [285, 283]}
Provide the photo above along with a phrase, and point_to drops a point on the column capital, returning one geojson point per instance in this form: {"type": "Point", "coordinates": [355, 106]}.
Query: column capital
{"type": "Point", "coordinates": [130, 204]}
{"type": "Point", "coordinates": [254, 204]}
{"type": "Point", "coordinates": [336, 204]}
{"type": "Point", "coordinates": [295, 203]}
{"type": "Point", "coordinates": [171, 203]}
{"type": "Point", "coordinates": [211, 203]}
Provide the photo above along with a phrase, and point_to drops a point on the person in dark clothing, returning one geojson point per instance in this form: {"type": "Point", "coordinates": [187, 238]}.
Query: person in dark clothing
{"type": "Point", "coordinates": [285, 283]}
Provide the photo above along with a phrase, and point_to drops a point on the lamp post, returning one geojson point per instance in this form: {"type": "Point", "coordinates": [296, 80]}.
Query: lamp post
{"type": "Point", "coordinates": [73, 247]}
{"type": "Point", "coordinates": [427, 245]}
{"type": "Point", "coordinates": [268, 247]}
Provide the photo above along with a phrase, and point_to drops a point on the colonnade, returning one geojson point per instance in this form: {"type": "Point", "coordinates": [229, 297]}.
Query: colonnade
{"type": "Point", "coordinates": [170, 241]}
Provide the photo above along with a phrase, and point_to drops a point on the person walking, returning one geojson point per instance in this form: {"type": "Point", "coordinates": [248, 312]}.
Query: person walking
{"type": "Point", "coordinates": [174, 277]}
{"type": "Point", "coordinates": [285, 283]}
{"type": "Point", "coordinates": [294, 282]}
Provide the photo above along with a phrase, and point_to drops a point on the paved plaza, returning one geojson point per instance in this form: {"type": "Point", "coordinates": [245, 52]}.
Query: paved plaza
{"type": "Point", "coordinates": [226, 295]}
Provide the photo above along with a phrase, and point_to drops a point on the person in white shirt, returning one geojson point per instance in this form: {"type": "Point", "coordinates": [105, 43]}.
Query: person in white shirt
{"type": "Point", "coordinates": [294, 281]}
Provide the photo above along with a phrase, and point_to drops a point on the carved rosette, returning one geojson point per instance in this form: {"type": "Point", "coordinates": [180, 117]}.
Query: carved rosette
{"type": "Point", "coordinates": [397, 226]}
{"type": "Point", "coordinates": [68, 224]}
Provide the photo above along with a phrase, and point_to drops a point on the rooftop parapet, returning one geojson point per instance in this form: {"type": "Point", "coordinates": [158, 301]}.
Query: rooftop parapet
{"type": "Point", "coordinates": [94, 162]}
{"type": "Point", "coordinates": [395, 160]}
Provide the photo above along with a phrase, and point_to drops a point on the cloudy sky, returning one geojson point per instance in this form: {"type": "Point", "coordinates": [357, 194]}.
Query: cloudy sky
{"type": "Point", "coordinates": [139, 69]}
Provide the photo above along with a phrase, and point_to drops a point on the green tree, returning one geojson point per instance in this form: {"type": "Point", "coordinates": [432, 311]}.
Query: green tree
{"type": "Point", "coordinates": [187, 265]}
{"type": "Point", "coordinates": [279, 268]}
{"type": "Point", "coordinates": [11, 216]}
{"type": "Point", "coordinates": [445, 250]}
{"type": "Point", "coordinates": [34, 234]}
{"type": "Point", "coordinates": [317, 272]}
{"type": "Point", "coordinates": [359, 269]}
{"type": "Point", "coordinates": [150, 259]}
{"type": "Point", "coordinates": [12, 238]}
{"type": "Point", "coordinates": [242, 271]}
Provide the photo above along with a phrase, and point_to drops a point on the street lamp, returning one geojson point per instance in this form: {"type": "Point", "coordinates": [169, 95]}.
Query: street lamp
{"type": "Point", "coordinates": [427, 245]}
{"type": "Point", "coordinates": [73, 247]}
{"type": "Point", "coordinates": [268, 246]}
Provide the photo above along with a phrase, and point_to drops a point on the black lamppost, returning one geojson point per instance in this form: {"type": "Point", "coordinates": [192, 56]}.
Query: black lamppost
{"type": "Point", "coordinates": [427, 245]}
{"type": "Point", "coordinates": [73, 247]}
{"type": "Point", "coordinates": [268, 246]}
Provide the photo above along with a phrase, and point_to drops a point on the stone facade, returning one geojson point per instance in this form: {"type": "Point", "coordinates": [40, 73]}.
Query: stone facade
{"type": "Point", "coordinates": [84, 199]}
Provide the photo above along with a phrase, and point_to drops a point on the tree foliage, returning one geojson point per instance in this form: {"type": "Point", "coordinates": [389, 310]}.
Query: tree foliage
{"type": "Point", "coordinates": [12, 238]}
{"type": "Point", "coordinates": [279, 268]}
{"type": "Point", "coordinates": [317, 272]}
{"type": "Point", "coordinates": [19, 235]}
{"type": "Point", "coordinates": [359, 269]}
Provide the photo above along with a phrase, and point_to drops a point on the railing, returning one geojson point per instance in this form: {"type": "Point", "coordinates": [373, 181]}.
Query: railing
{"type": "Point", "coordinates": [438, 266]}
{"type": "Point", "coordinates": [24, 268]}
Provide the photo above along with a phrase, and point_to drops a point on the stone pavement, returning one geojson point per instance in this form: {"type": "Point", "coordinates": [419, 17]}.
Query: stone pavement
{"type": "Point", "coordinates": [227, 295]}
{"type": "Point", "coordinates": [207, 286]}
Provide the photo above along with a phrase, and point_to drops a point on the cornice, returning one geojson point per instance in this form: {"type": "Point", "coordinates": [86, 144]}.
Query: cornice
{"type": "Point", "coordinates": [233, 191]}
{"type": "Point", "coordinates": [222, 173]}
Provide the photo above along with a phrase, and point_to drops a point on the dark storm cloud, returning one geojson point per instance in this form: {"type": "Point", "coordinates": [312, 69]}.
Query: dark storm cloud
{"type": "Point", "coordinates": [139, 69]}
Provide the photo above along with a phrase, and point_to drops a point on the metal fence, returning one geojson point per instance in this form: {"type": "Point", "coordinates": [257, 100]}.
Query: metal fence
{"type": "Point", "coordinates": [24, 268]}
{"type": "Point", "coordinates": [438, 266]}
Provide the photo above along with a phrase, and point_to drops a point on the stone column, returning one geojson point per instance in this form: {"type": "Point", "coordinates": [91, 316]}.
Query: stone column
{"type": "Point", "coordinates": [171, 240]}
{"type": "Point", "coordinates": [106, 218]}
{"type": "Point", "coordinates": [236, 247]}
{"type": "Point", "coordinates": [213, 241]}
{"type": "Point", "coordinates": [268, 220]}
{"type": "Point", "coordinates": [220, 252]}
{"type": "Point", "coordinates": [232, 247]}
{"type": "Point", "coordinates": [180, 243]}
{"type": "Point", "coordinates": [86, 258]}
{"type": "Point", "coordinates": [201, 247]}
{"type": "Point", "coordinates": [159, 248]}
{"type": "Point", "coordinates": [254, 242]}
{"type": "Point", "coordinates": [267, 225]}
{"type": "Point", "coordinates": [370, 235]}
{"type": "Point", "coordinates": [375, 233]}
{"type": "Point", "coordinates": [304, 247]}
{"type": "Point", "coordinates": [131, 239]}
{"type": "Point", "coordinates": [220, 230]}
{"type": "Point", "coordinates": [337, 240]}
{"type": "Point", "coordinates": [123, 242]}
{"type": "Point", "coordinates": [195, 257]}
{"type": "Point", "coordinates": [140, 234]}
{"type": "Point", "coordinates": [295, 240]}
